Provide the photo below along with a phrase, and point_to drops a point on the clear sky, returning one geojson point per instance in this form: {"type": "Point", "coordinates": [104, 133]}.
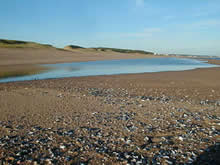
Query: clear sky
{"type": "Point", "coordinates": [162, 26]}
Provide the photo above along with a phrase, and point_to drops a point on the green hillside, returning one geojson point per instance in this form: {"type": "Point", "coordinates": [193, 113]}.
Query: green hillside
{"type": "Point", "coordinates": [122, 50]}
{"type": "Point", "coordinates": [70, 47]}
{"type": "Point", "coordinates": [26, 44]}
{"type": "Point", "coordinates": [21, 44]}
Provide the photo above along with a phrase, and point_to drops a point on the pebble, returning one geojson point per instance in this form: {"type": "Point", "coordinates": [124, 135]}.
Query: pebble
{"type": "Point", "coordinates": [173, 132]}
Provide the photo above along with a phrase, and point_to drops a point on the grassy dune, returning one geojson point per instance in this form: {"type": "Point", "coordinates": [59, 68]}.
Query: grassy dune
{"type": "Point", "coordinates": [21, 44]}
{"type": "Point", "coordinates": [122, 50]}
{"type": "Point", "coordinates": [69, 47]}
{"type": "Point", "coordinates": [26, 44]}
{"type": "Point", "coordinates": [104, 49]}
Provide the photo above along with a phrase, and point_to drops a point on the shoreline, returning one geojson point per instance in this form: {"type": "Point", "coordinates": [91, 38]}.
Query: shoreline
{"type": "Point", "coordinates": [164, 117]}
{"type": "Point", "coordinates": [140, 114]}
{"type": "Point", "coordinates": [26, 68]}
{"type": "Point", "coordinates": [27, 60]}
{"type": "Point", "coordinates": [122, 74]}
{"type": "Point", "coordinates": [205, 77]}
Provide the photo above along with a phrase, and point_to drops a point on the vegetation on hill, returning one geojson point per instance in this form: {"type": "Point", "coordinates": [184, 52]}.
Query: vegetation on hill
{"type": "Point", "coordinates": [122, 50]}
{"type": "Point", "coordinates": [73, 47]}
{"type": "Point", "coordinates": [26, 44]}
{"type": "Point", "coordinates": [21, 44]}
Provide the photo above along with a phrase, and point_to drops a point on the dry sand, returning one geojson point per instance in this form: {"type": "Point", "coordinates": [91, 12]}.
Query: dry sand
{"type": "Point", "coordinates": [167, 117]}
{"type": "Point", "coordinates": [29, 56]}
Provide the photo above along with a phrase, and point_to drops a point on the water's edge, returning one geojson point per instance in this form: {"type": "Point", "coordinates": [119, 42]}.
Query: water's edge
{"type": "Point", "coordinates": [114, 67]}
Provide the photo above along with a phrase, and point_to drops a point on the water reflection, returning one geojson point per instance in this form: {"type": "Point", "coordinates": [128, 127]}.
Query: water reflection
{"type": "Point", "coordinates": [110, 67]}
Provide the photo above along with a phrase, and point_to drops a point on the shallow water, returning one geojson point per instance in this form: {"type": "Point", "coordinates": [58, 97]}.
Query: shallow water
{"type": "Point", "coordinates": [111, 67]}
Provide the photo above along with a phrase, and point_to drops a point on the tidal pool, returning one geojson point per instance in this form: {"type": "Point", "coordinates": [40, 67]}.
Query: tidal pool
{"type": "Point", "coordinates": [112, 67]}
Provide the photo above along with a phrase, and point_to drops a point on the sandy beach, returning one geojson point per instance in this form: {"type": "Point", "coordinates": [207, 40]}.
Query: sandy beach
{"type": "Point", "coordinates": [166, 117]}
{"type": "Point", "coordinates": [25, 61]}
{"type": "Point", "coordinates": [132, 82]}
{"type": "Point", "coordinates": [17, 56]}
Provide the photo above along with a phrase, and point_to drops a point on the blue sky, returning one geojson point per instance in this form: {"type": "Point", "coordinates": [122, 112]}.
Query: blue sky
{"type": "Point", "coordinates": [162, 26]}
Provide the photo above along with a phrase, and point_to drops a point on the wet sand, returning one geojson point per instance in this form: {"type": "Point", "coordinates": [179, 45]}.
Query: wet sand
{"type": "Point", "coordinates": [167, 117]}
